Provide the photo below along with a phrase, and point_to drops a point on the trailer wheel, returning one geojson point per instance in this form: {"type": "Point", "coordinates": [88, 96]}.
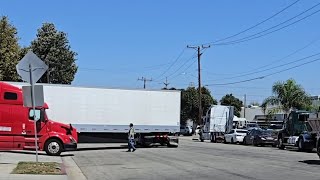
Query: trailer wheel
{"type": "Point", "coordinates": [212, 138]}
{"type": "Point", "coordinates": [53, 147]}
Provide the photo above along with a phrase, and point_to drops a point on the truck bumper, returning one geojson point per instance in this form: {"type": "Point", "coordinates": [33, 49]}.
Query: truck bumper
{"type": "Point", "coordinates": [70, 147]}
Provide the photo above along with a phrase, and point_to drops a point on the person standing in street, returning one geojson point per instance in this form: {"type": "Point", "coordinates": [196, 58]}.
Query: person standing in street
{"type": "Point", "coordinates": [131, 139]}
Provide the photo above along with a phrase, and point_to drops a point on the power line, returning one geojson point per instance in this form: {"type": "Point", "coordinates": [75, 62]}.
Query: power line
{"type": "Point", "coordinates": [188, 67]}
{"type": "Point", "coordinates": [188, 60]}
{"type": "Point", "coordinates": [271, 63]}
{"type": "Point", "coordinates": [263, 21]}
{"type": "Point", "coordinates": [248, 37]}
{"type": "Point", "coordinates": [264, 76]}
{"type": "Point", "coordinates": [274, 67]}
{"type": "Point", "coordinates": [183, 50]}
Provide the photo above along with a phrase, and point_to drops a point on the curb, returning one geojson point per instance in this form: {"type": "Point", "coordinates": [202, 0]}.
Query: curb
{"type": "Point", "coordinates": [72, 169]}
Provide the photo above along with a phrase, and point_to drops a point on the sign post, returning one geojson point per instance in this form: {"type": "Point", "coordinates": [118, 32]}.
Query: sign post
{"type": "Point", "coordinates": [34, 111]}
{"type": "Point", "coordinates": [31, 68]}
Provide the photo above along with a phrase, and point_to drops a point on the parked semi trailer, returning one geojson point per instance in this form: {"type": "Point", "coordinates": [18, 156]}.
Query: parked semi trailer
{"type": "Point", "coordinates": [218, 121]}
{"type": "Point", "coordinates": [297, 131]}
{"type": "Point", "coordinates": [315, 126]}
{"type": "Point", "coordinates": [104, 115]}
{"type": "Point", "coordinates": [17, 131]}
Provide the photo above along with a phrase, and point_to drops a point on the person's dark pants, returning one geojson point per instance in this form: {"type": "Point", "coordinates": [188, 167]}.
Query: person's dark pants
{"type": "Point", "coordinates": [131, 145]}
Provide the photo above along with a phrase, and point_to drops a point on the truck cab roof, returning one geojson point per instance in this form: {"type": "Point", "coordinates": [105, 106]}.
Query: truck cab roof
{"type": "Point", "coordinates": [12, 95]}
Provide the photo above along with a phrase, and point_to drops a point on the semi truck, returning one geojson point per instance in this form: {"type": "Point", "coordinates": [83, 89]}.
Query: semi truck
{"type": "Point", "coordinates": [297, 131]}
{"type": "Point", "coordinates": [315, 126]}
{"type": "Point", "coordinates": [217, 122]}
{"type": "Point", "coordinates": [104, 114]}
{"type": "Point", "coordinates": [17, 131]}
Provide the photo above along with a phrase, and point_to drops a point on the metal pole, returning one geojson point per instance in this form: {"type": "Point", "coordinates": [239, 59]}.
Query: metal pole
{"type": "Point", "coordinates": [199, 82]}
{"type": "Point", "coordinates": [34, 111]}
{"type": "Point", "coordinates": [245, 105]}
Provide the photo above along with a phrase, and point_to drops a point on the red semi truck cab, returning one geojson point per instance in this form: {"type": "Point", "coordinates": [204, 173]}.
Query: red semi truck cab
{"type": "Point", "coordinates": [17, 130]}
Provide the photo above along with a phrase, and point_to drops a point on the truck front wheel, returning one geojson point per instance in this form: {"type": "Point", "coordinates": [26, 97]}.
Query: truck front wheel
{"type": "Point", "coordinates": [300, 144]}
{"type": "Point", "coordinates": [53, 147]}
{"type": "Point", "coordinates": [318, 148]}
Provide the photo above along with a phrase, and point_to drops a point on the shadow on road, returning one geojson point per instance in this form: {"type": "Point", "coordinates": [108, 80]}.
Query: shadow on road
{"type": "Point", "coordinates": [34, 153]}
{"type": "Point", "coordinates": [101, 148]}
{"type": "Point", "coordinates": [120, 147]}
{"type": "Point", "coordinates": [311, 162]}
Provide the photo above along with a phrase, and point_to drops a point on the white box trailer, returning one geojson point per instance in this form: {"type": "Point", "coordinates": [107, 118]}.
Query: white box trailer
{"type": "Point", "coordinates": [218, 121]}
{"type": "Point", "coordinates": [101, 111]}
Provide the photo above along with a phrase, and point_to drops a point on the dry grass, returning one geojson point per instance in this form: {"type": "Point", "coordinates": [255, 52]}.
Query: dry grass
{"type": "Point", "coordinates": [41, 168]}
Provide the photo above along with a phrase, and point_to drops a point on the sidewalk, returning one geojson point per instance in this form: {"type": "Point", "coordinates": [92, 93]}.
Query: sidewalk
{"type": "Point", "coordinates": [10, 159]}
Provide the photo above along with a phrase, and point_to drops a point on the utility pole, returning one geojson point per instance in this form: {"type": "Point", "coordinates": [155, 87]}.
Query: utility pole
{"type": "Point", "coordinates": [144, 81]}
{"type": "Point", "coordinates": [245, 105]}
{"type": "Point", "coordinates": [199, 48]}
{"type": "Point", "coordinates": [166, 83]}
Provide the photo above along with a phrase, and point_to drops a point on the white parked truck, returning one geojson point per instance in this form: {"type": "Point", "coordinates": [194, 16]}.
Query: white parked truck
{"type": "Point", "coordinates": [218, 121]}
{"type": "Point", "coordinates": [104, 115]}
{"type": "Point", "coordinates": [315, 126]}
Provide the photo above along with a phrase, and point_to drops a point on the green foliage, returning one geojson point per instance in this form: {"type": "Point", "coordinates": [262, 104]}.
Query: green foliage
{"type": "Point", "coordinates": [9, 51]}
{"type": "Point", "coordinates": [190, 102]}
{"type": "Point", "coordinates": [230, 100]}
{"type": "Point", "coordinates": [53, 48]}
{"type": "Point", "coordinates": [287, 95]}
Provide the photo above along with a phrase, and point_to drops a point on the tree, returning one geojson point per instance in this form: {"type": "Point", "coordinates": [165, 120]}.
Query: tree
{"type": "Point", "coordinates": [53, 48]}
{"type": "Point", "coordinates": [287, 96]}
{"type": "Point", "coordinates": [230, 100]}
{"type": "Point", "coordinates": [9, 51]}
{"type": "Point", "coordinates": [190, 103]}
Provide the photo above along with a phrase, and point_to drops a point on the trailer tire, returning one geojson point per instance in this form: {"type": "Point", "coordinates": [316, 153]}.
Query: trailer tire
{"type": "Point", "coordinates": [212, 138]}
{"type": "Point", "coordinates": [53, 147]}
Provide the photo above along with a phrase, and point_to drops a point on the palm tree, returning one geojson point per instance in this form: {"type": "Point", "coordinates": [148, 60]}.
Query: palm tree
{"type": "Point", "coordinates": [287, 96]}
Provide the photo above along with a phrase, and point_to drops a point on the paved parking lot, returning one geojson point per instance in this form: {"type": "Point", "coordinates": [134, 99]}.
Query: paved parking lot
{"type": "Point", "coordinates": [197, 160]}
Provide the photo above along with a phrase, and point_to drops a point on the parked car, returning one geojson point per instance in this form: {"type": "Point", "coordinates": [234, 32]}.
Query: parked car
{"type": "Point", "coordinates": [260, 137]}
{"type": "Point", "coordinates": [235, 136]}
{"type": "Point", "coordinates": [186, 130]}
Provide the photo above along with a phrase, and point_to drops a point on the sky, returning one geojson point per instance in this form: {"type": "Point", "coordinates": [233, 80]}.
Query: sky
{"type": "Point", "coordinates": [120, 41]}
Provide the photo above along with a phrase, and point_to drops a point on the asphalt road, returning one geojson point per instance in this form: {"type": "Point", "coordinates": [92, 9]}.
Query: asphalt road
{"type": "Point", "coordinates": [197, 160]}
